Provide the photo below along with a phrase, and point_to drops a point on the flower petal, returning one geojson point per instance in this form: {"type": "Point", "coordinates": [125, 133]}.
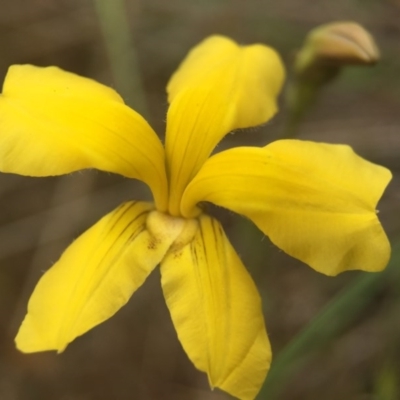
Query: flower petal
{"type": "Point", "coordinates": [315, 201]}
{"type": "Point", "coordinates": [216, 310]}
{"type": "Point", "coordinates": [94, 278]}
{"type": "Point", "coordinates": [219, 87]}
{"type": "Point", "coordinates": [54, 122]}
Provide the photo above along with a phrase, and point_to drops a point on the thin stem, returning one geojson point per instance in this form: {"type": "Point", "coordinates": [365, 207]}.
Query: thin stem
{"type": "Point", "coordinates": [121, 52]}
{"type": "Point", "coordinates": [300, 97]}
{"type": "Point", "coordinates": [333, 320]}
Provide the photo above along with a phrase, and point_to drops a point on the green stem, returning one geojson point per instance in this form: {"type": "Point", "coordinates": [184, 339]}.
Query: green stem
{"type": "Point", "coordinates": [300, 97]}
{"type": "Point", "coordinates": [121, 52]}
{"type": "Point", "coordinates": [333, 320]}
{"type": "Point", "coordinates": [302, 93]}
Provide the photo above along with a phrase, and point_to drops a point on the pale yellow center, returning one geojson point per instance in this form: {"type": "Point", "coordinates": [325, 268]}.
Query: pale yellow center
{"type": "Point", "coordinates": [161, 225]}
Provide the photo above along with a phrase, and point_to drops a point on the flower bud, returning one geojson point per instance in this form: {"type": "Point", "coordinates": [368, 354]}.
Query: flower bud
{"type": "Point", "coordinates": [326, 50]}
{"type": "Point", "coordinates": [331, 46]}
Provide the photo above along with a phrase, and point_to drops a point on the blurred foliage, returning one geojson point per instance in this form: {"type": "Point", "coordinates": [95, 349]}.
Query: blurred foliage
{"type": "Point", "coordinates": [323, 348]}
{"type": "Point", "coordinates": [387, 382]}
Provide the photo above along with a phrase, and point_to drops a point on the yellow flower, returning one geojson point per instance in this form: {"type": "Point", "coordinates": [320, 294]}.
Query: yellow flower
{"type": "Point", "coordinates": [315, 201]}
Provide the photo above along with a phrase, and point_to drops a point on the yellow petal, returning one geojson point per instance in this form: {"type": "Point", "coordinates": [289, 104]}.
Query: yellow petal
{"type": "Point", "coordinates": [216, 310]}
{"type": "Point", "coordinates": [315, 201]}
{"type": "Point", "coordinates": [219, 87]}
{"type": "Point", "coordinates": [54, 122]}
{"type": "Point", "coordinates": [94, 277]}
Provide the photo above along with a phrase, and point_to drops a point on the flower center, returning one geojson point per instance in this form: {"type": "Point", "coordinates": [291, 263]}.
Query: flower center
{"type": "Point", "coordinates": [163, 226]}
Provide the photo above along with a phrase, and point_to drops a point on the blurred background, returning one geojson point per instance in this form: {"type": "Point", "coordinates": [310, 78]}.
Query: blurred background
{"type": "Point", "coordinates": [353, 350]}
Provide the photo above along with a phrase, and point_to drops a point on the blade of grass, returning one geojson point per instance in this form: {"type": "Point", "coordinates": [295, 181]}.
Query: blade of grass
{"type": "Point", "coordinates": [387, 382]}
{"type": "Point", "coordinates": [332, 320]}
{"type": "Point", "coordinates": [121, 52]}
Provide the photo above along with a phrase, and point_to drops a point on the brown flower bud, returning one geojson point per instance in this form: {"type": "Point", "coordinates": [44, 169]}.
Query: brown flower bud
{"type": "Point", "coordinates": [334, 45]}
